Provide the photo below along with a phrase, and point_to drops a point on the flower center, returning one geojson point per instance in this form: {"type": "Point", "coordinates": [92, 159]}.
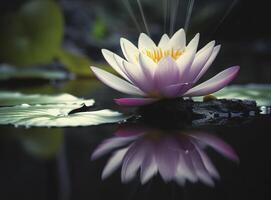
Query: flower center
{"type": "Point", "coordinates": [157, 54]}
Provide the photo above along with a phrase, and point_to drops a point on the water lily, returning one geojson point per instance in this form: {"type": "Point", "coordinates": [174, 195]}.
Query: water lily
{"type": "Point", "coordinates": [178, 156]}
{"type": "Point", "coordinates": [170, 69]}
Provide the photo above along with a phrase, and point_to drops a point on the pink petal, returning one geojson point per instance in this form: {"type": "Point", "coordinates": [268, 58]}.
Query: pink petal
{"type": "Point", "coordinates": [209, 62]}
{"type": "Point", "coordinates": [200, 60]}
{"type": "Point", "coordinates": [116, 82]}
{"type": "Point", "coordinates": [176, 90]}
{"type": "Point", "coordinates": [136, 75]}
{"type": "Point", "coordinates": [129, 131]}
{"type": "Point", "coordinates": [218, 144]}
{"type": "Point", "coordinates": [185, 61]}
{"type": "Point", "coordinates": [214, 84]}
{"type": "Point", "coordinates": [135, 101]}
{"type": "Point", "coordinates": [166, 159]}
{"type": "Point", "coordinates": [166, 74]}
{"type": "Point", "coordinates": [148, 66]}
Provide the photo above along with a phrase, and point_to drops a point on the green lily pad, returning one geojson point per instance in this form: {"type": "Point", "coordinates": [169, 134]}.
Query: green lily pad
{"type": "Point", "coordinates": [259, 93]}
{"type": "Point", "coordinates": [32, 35]}
{"type": "Point", "coordinates": [55, 116]}
{"type": "Point", "coordinates": [13, 98]}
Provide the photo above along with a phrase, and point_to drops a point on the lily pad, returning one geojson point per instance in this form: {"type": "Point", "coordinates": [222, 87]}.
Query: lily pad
{"type": "Point", "coordinates": [13, 99]}
{"type": "Point", "coordinates": [55, 116]}
{"type": "Point", "coordinates": [260, 93]}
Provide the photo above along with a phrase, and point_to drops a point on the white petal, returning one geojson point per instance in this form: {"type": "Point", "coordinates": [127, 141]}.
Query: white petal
{"type": "Point", "coordinates": [164, 42]}
{"type": "Point", "coordinates": [110, 57]}
{"type": "Point", "coordinates": [116, 82]}
{"type": "Point", "coordinates": [200, 60]}
{"type": "Point", "coordinates": [193, 44]}
{"type": "Point", "coordinates": [136, 74]}
{"type": "Point", "coordinates": [209, 62]}
{"type": "Point", "coordinates": [129, 50]}
{"type": "Point", "coordinates": [145, 42]}
{"type": "Point", "coordinates": [147, 65]}
{"type": "Point", "coordinates": [206, 47]}
{"type": "Point", "coordinates": [178, 40]}
{"type": "Point", "coordinates": [185, 61]}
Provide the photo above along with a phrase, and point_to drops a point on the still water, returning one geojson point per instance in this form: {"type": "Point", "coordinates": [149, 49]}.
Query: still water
{"type": "Point", "coordinates": [228, 160]}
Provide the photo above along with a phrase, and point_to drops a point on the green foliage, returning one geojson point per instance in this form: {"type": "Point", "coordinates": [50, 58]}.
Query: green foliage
{"type": "Point", "coordinates": [76, 63]}
{"type": "Point", "coordinates": [79, 64]}
{"type": "Point", "coordinates": [44, 143]}
{"type": "Point", "coordinates": [32, 35]}
{"type": "Point", "coordinates": [99, 29]}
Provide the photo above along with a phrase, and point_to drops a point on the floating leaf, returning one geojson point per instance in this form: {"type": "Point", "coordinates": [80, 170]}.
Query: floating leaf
{"type": "Point", "coordinates": [260, 93]}
{"type": "Point", "coordinates": [13, 98]}
{"type": "Point", "coordinates": [7, 72]}
{"type": "Point", "coordinates": [55, 116]}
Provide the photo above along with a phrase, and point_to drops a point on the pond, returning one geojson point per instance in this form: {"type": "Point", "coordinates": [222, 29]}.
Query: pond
{"type": "Point", "coordinates": [160, 130]}
{"type": "Point", "coordinates": [223, 159]}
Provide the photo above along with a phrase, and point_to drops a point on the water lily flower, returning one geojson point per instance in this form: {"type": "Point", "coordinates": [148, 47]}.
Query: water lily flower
{"type": "Point", "coordinates": [169, 70]}
{"type": "Point", "coordinates": [179, 156]}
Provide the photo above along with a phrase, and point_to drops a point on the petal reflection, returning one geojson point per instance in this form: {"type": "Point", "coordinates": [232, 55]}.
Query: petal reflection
{"type": "Point", "coordinates": [176, 155]}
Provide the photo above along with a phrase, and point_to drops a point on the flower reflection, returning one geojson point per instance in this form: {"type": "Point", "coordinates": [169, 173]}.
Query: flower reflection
{"type": "Point", "coordinates": [176, 156]}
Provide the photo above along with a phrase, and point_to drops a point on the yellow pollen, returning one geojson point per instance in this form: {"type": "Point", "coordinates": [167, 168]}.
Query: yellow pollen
{"type": "Point", "coordinates": [157, 54]}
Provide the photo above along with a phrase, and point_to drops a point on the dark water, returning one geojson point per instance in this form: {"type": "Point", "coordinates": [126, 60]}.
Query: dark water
{"type": "Point", "coordinates": [229, 161]}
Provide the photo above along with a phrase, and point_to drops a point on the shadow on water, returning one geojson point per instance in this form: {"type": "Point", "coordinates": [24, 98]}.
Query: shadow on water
{"type": "Point", "coordinates": [135, 161]}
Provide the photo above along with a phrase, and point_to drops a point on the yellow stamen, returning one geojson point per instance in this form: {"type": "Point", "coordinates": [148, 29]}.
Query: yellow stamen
{"type": "Point", "coordinates": [157, 54]}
